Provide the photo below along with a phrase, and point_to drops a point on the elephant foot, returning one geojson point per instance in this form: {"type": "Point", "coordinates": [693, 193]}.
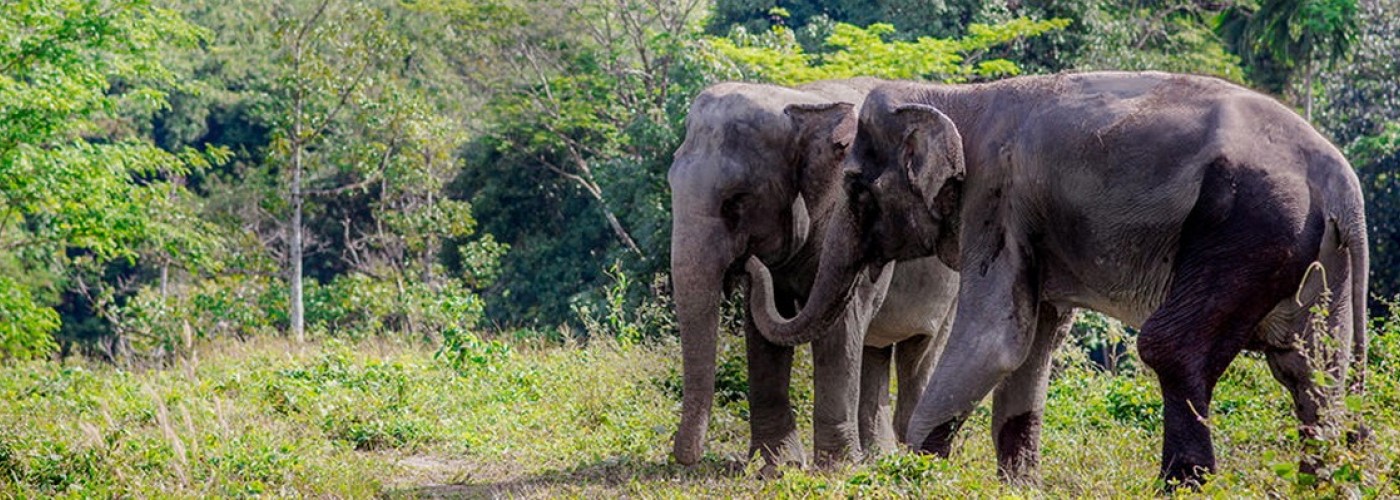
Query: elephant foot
{"type": "Point", "coordinates": [1021, 478]}
{"type": "Point", "coordinates": [940, 441]}
{"type": "Point", "coordinates": [778, 452]}
{"type": "Point", "coordinates": [1189, 476]}
{"type": "Point", "coordinates": [880, 448]}
{"type": "Point", "coordinates": [828, 459]}
{"type": "Point", "coordinates": [1359, 435]}
{"type": "Point", "coordinates": [1018, 449]}
{"type": "Point", "coordinates": [770, 471]}
{"type": "Point", "coordinates": [1022, 470]}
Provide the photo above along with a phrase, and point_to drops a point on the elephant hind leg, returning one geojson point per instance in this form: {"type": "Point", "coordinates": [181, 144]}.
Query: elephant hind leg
{"type": "Point", "coordinates": [876, 433]}
{"type": "Point", "coordinates": [1292, 369]}
{"type": "Point", "coordinates": [914, 358]}
{"type": "Point", "coordinates": [1019, 403]}
{"type": "Point", "coordinates": [1299, 348]}
{"type": "Point", "coordinates": [1243, 249]}
{"type": "Point", "coordinates": [1189, 345]}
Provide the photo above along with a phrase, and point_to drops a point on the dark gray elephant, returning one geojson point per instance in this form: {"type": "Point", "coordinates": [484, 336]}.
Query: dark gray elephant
{"type": "Point", "coordinates": [1191, 208]}
{"type": "Point", "coordinates": [758, 175]}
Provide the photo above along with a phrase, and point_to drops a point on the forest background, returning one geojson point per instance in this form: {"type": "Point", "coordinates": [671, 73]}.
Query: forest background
{"type": "Point", "coordinates": [173, 171]}
{"type": "Point", "coordinates": [470, 175]}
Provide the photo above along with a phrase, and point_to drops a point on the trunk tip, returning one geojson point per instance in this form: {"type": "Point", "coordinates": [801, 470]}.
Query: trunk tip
{"type": "Point", "coordinates": [755, 266]}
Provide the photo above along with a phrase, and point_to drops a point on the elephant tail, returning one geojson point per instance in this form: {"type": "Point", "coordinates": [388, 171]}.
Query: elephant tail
{"type": "Point", "coordinates": [1359, 254]}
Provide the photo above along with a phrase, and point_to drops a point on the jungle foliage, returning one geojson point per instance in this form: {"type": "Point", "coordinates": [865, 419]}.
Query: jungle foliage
{"type": "Point", "coordinates": [478, 165]}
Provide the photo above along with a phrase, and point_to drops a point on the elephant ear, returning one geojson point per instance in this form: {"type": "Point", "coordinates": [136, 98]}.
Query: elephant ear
{"type": "Point", "coordinates": [931, 156]}
{"type": "Point", "coordinates": [822, 132]}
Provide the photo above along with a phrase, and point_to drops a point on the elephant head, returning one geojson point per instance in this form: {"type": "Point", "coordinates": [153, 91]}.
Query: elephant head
{"type": "Point", "coordinates": [903, 180]}
{"type": "Point", "coordinates": [753, 157]}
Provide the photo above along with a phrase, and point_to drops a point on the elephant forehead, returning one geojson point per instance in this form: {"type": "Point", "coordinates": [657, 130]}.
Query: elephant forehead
{"type": "Point", "coordinates": [730, 153]}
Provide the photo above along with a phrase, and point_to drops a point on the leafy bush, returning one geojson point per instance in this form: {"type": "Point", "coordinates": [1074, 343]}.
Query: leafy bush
{"type": "Point", "coordinates": [464, 351]}
{"type": "Point", "coordinates": [352, 306]}
{"type": "Point", "coordinates": [26, 328]}
{"type": "Point", "coordinates": [233, 306]}
{"type": "Point", "coordinates": [1105, 340]}
{"type": "Point", "coordinates": [366, 405]}
{"type": "Point", "coordinates": [357, 305]}
{"type": "Point", "coordinates": [628, 315]}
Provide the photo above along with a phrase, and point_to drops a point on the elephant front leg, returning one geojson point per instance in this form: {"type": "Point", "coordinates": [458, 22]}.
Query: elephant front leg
{"type": "Point", "coordinates": [1018, 405]}
{"type": "Point", "coordinates": [835, 409]}
{"type": "Point", "coordinates": [877, 435]}
{"type": "Point", "coordinates": [991, 337]}
{"type": "Point", "coordinates": [772, 425]}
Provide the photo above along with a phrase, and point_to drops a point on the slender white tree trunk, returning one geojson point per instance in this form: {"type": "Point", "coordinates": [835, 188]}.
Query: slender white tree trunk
{"type": "Point", "coordinates": [297, 315]}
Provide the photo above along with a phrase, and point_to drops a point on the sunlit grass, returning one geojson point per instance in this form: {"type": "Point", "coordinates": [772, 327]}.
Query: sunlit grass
{"type": "Point", "coordinates": [373, 418]}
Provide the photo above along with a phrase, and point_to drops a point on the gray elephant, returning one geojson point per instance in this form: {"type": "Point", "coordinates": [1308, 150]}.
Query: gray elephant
{"type": "Point", "coordinates": [1191, 208]}
{"type": "Point", "coordinates": [757, 175]}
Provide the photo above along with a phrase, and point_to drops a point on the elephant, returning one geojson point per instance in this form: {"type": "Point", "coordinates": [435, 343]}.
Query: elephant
{"type": "Point", "coordinates": [1209, 216]}
{"type": "Point", "coordinates": [756, 176]}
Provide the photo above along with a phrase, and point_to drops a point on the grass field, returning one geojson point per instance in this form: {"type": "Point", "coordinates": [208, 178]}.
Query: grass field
{"type": "Point", "coordinates": [527, 418]}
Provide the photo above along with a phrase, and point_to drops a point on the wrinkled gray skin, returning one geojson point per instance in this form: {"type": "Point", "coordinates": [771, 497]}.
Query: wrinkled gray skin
{"type": "Point", "coordinates": [1186, 206]}
{"type": "Point", "coordinates": [758, 176]}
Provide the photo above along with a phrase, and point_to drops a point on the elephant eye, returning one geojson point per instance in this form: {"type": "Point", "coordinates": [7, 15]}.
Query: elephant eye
{"type": "Point", "coordinates": [733, 208]}
{"type": "Point", "coordinates": [856, 182]}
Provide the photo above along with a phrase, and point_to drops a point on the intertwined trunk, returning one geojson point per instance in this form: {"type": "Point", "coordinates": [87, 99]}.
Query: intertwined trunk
{"type": "Point", "coordinates": [831, 292]}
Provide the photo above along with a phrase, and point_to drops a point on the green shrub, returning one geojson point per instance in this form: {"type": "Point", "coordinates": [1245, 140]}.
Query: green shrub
{"type": "Point", "coordinates": [354, 306]}
{"type": "Point", "coordinates": [628, 314]}
{"type": "Point", "coordinates": [464, 351]}
{"type": "Point", "coordinates": [369, 405]}
{"type": "Point", "coordinates": [359, 306]}
{"type": "Point", "coordinates": [26, 328]}
{"type": "Point", "coordinates": [233, 306]}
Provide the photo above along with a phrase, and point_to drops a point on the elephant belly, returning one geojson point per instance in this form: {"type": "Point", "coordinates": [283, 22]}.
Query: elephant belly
{"type": "Point", "coordinates": [1127, 287]}
{"type": "Point", "coordinates": [921, 294]}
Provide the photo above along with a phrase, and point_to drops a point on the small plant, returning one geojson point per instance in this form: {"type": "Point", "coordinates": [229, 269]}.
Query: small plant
{"type": "Point", "coordinates": [1107, 342]}
{"type": "Point", "coordinates": [463, 351]}
{"type": "Point", "coordinates": [626, 318]}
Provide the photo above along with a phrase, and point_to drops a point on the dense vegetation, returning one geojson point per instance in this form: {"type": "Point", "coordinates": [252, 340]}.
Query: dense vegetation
{"type": "Point", "coordinates": [275, 417]}
{"type": "Point", "coordinates": [267, 246]}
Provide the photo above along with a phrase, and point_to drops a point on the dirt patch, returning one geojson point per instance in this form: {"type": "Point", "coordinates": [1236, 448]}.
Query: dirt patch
{"type": "Point", "coordinates": [427, 476]}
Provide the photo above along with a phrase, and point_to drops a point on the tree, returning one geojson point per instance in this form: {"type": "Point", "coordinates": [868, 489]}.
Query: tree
{"type": "Point", "coordinates": [1302, 36]}
{"type": "Point", "coordinates": [330, 54]}
{"type": "Point", "coordinates": [1170, 35]}
{"type": "Point", "coordinates": [1359, 106]}
{"type": "Point", "coordinates": [811, 20]}
{"type": "Point", "coordinates": [359, 98]}
{"type": "Point", "coordinates": [776, 57]}
{"type": "Point", "coordinates": [584, 105]}
{"type": "Point", "coordinates": [81, 190]}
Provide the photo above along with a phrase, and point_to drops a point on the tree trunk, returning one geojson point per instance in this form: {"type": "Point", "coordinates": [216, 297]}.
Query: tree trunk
{"type": "Point", "coordinates": [296, 312]}
{"type": "Point", "coordinates": [297, 315]}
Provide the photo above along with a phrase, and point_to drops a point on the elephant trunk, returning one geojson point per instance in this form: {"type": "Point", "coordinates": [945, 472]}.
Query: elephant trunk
{"type": "Point", "coordinates": [831, 292]}
{"type": "Point", "coordinates": [697, 269]}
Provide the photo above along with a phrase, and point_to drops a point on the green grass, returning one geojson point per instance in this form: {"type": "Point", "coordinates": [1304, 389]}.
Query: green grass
{"type": "Point", "coordinates": [382, 418]}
